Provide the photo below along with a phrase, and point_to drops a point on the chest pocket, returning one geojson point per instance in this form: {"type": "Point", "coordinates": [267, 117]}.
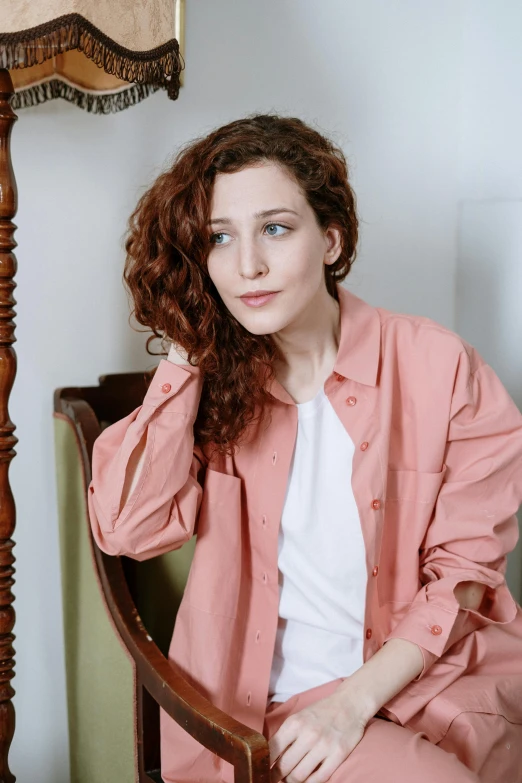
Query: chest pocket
{"type": "Point", "coordinates": [409, 504]}
{"type": "Point", "coordinates": [215, 572]}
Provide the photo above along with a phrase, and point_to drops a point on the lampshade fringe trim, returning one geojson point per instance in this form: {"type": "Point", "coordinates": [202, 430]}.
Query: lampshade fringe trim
{"type": "Point", "coordinates": [25, 48]}
{"type": "Point", "coordinates": [95, 104]}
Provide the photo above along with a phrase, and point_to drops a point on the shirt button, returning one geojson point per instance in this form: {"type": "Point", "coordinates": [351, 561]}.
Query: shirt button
{"type": "Point", "coordinates": [369, 633]}
{"type": "Point", "coordinates": [375, 570]}
{"type": "Point", "coordinates": [258, 634]}
{"type": "Point", "coordinates": [364, 445]}
{"type": "Point", "coordinates": [338, 376]}
{"type": "Point", "coordinates": [263, 521]}
{"type": "Point", "coordinates": [436, 630]}
{"type": "Point", "coordinates": [376, 504]}
{"type": "Point", "coordinates": [351, 400]}
{"type": "Point", "coordinates": [249, 697]}
{"type": "Point", "coordinates": [264, 577]}
{"type": "Point", "coordinates": [274, 458]}
{"type": "Point", "coordinates": [166, 388]}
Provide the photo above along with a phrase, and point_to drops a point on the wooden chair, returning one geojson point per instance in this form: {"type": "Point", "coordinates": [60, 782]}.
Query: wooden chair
{"type": "Point", "coordinates": [118, 619]}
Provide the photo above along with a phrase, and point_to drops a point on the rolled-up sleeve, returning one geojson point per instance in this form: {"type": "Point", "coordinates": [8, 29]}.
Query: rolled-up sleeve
{"type": "Point", "coordinates": [474, 524]}
{"type": "Point", "coordinates": [161, 512]}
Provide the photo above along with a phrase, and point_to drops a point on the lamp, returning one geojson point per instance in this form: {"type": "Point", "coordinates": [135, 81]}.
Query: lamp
{"type": "Point", "coordinates": [103, 57]}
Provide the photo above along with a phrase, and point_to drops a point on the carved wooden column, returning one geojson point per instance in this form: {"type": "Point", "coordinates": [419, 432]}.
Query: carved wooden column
{"type": "Point", "coordinates": [8, 266]}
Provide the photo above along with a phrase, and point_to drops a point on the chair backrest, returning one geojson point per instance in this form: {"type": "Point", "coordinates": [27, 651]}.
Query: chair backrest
{"type": "Point", "coordinates": [109, 740]}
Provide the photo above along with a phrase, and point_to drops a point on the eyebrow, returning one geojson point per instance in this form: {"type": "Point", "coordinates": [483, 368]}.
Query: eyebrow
{"type": "Point", "coordinates": [265, 213]}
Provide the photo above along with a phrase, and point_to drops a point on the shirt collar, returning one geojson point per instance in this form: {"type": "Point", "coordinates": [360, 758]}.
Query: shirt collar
{"type": "Point", "coordinates": [359, 344]}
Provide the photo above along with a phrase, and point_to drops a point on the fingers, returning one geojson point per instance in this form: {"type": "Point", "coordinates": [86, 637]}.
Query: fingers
{"type": "Point", "coordinates": [292, 772]}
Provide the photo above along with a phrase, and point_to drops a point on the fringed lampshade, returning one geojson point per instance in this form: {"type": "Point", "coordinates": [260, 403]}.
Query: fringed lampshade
{"type": "Point", "coordinates": [102, 55]}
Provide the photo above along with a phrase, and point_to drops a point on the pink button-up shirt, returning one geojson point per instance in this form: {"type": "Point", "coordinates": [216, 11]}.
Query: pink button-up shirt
{"type": "Point", "coordinates": [437, 477]}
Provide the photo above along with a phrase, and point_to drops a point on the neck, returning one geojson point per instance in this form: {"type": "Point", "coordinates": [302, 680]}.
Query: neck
{"type": "Point", "coordinates": [310, 344]}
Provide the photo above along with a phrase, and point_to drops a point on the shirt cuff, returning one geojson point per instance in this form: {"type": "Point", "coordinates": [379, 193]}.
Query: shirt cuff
{"type": "Point", "coordinates": [435, 621]}
{"type": "Point", "coordinates": [165, 389]}
{"type": "Point", "coordinates": [429, 658]}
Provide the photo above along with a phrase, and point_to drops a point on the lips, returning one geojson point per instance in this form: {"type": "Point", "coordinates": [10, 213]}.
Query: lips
{"type": "Point", "coordinates": [259, 300]}
{"type": "Point", "coordinates": [257, 293]}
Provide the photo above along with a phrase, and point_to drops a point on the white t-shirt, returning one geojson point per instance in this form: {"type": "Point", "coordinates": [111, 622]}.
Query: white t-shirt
{"type": "Point", "coordinates": [321, 559]}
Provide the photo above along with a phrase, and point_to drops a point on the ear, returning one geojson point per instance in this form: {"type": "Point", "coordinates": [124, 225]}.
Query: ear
{"type": "Point", "coordinates": [334, 244]}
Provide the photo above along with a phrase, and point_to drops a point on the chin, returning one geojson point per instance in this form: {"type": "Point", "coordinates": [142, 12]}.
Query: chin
{"type": "Point", "coordinates": [260, 332]}
{"type": "Point", "coordinates": [259, 329]}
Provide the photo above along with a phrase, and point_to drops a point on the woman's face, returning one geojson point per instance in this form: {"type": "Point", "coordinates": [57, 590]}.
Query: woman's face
{"type": "Point", "coordinates": [283, 251]}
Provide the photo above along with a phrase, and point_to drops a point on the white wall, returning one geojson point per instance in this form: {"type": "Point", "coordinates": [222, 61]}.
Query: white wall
{"type": "Point", "coordinates": [379, 76]}
{"type": "Point", "coordinates": [488, 305]}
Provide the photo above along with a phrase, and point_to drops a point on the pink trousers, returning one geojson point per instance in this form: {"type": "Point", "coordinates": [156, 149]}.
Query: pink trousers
{"type": "Point", "coordinates": [476, 748]}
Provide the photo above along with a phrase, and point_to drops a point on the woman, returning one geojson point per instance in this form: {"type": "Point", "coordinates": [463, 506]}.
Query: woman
{"type": "Point", "coordinates": [352, 475]}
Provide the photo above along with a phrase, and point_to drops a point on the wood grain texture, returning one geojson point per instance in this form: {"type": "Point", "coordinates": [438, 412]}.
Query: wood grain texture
{"type": "Point", "coordinates": [8, 267]}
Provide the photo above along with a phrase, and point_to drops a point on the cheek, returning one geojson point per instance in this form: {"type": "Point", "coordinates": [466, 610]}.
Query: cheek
{"type": "Point", "coordinates": [306, 257]}
{"type": "Point", "coordinates": [216, 274]}
{"type": "Point", "coordinates": [224, 287]}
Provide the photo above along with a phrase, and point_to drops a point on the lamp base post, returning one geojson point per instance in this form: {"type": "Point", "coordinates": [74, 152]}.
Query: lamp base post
{"type": "Point", "coordinates": [8, 440]}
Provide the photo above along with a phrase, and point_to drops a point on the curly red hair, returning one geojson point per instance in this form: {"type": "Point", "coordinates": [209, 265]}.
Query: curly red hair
{"type": "Point", "coordinates": [168, 243]}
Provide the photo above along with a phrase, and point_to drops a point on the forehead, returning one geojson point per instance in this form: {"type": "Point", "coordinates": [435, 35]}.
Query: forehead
{"type": "Point", "coordinates": [255, 185]}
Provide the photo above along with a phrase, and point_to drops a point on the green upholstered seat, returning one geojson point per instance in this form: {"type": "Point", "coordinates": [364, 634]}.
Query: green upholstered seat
{"type": "Point", "coordinates": [99, 672]}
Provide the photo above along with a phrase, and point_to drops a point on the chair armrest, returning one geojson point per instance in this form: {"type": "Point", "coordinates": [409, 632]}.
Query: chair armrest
{"type": "Point", "coordinates": [238, 744]}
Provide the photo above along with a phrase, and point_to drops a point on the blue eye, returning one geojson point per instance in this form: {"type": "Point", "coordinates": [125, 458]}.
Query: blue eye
{"type": "Point", "coordinates": [218, 234]}
{"type": "Point", "coordinates": [224, 234]}
{"type": "Point", "coordinates": [275, 225]}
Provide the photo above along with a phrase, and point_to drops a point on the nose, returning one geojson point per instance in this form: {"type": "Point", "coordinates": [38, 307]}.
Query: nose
{"type": "Point", "coordinates": [251, 260]}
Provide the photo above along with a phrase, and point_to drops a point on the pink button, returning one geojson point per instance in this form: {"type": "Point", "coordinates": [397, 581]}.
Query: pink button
{"type": "Point", "coordinates": [375, 570]}
{"type": "Point", "coordinates": [264, 577]}
{"type": "Point", "coordinates": [258, 634]}
{"type": "Point", "coordinates": [364, 445]}
{"type": "Point", "coordinates": [369, 633]}
{"type": "Point", "coordinates": [166, 388]}
{"type": "Point", "coordinates": [351, 400]}
{"type": "Point", "coordinates": [376, 504]}
{"type": "Point", "coordinates": [249, 697]}
{"type": "Point", "coordinates": [436, 630]}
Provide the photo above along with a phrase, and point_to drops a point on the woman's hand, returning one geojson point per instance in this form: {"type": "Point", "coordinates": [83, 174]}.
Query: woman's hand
{"type": "Point", "coordinates": [324, 733]}
{"type": "Point", "coordinates": [177, 354]}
